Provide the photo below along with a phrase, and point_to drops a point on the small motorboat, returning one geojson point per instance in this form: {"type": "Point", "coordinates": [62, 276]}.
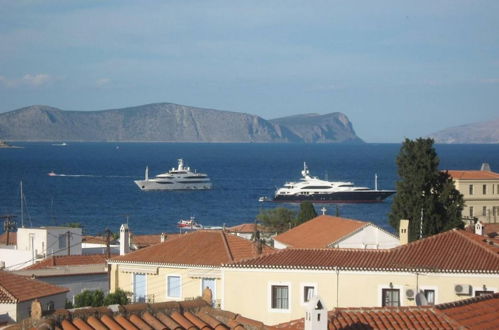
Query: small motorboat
{"type": "Point", "coordinates": [190, 224]}
{"type": "Point", "coordinates": [52, 173]}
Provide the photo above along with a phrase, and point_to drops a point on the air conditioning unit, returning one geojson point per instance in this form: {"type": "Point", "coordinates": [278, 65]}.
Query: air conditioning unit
{"type": "Point", "coordinates": [410, 293]}
{"type": "Point", "coordinates": [462, 289]}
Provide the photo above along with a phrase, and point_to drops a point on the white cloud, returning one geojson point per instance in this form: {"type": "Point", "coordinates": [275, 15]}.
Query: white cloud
{"type": "Point", "coordinates": [102, 82]}
{"type": "Point", "coordinates": [30, 80]}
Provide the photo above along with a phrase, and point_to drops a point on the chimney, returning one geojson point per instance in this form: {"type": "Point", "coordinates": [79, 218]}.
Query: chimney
{"type": "Point", "coordinates": [478, 228]}
{"type": "Point", "coordinates": [124, 240]}
{"type": "Point", "coordinates": [404, 231]}
{"type": "Point", "coordinates": [315, 315]}
{"type": "Point", "coordinates": [163, 237]}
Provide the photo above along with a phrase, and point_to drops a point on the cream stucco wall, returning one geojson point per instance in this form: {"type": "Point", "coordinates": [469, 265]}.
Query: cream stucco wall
{"type": "Point", "coordinates": [156, 280]}
{"type": "Point", "coordinates": [478, 200]}
{"type": "Point", "coordinates": [247, 291]}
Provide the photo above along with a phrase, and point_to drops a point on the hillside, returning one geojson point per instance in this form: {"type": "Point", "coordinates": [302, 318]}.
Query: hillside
{"type": "Point", "coordinates": [483, 132]}
{"type": "Point", "coordinates": [167, 122]}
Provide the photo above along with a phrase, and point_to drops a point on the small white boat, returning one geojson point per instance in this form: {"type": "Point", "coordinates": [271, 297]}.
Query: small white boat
{"type": "Point", "coordinates": [63, 144]}
{"type": "Point", "coordinates": [52, 173]}
{"type": "Point", "coordinates": [180, 178]}
{"type": "Point", "coordinates": [190, 224]}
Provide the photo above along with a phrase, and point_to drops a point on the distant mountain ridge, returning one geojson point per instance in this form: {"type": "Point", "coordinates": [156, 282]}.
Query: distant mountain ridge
{"type": "Point", "coordinates": [168, 122]}
{"type": "Point", "coordinates": [482, 132]}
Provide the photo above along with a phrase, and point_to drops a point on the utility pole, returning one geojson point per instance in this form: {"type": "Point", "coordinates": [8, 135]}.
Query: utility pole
{"type": "Point", "coordinates": [8, 225]}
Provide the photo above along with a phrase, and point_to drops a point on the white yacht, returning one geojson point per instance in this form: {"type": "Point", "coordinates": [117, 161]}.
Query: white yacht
{"type": "Point", "coordinates": [313, 189]}
{"type": "Point", "coordinates": [180, 178]}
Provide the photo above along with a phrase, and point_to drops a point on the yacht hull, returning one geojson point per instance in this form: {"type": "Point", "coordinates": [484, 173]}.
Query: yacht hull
{"type": "Point", "coordinates": [154, 185]}
{"type": "Point", "coordinates": [368, 196]}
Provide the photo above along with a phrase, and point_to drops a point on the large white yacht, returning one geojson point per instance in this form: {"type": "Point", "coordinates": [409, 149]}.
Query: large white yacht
{"type": "Point", "coordinates": [180, 178]}
{"type": "Point", "coordinates": [313, 189]}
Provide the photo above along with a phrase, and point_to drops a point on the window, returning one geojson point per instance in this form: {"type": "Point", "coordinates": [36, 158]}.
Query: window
{"type": "Point", "coordinates": [430, 296]}
{"type": "Point", "coordinates": [484, 211]}
{"type": "Point", "coordinates": [50, 306]}
{"type": "Point", "coordinates": [483, 293]}
{"type": "Point", "coordinates": [308, 293]}
{"type": "Point", "coordinates": [139, 287]}
{"type": "Point", "coordinates": [173, 286]}
{"type": "Point", "coordinates": [471, 211]}
{"type": "Point", "coordinates": [471, 189]}
{"type": "Point", "coordinates": [62, 241]}
{"type": "Point", "coordinates": [391, 297]}
{"type": "Point", "coordinates": [280, 297]}
{"type": "Point", "coordinates": [484, 189]}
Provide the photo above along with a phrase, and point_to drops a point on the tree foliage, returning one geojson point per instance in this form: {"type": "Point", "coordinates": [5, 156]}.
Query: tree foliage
{"type": "Point", "coordinates": [424, 191]}
{"type": "Point", "coordinates": [279, 219]}
{"type": "Point", "coordinates": [118, 297]}
{"type": "Point", "coordinates": [95, 298]}
{"type": "Point", "coordinates": [307, 212]}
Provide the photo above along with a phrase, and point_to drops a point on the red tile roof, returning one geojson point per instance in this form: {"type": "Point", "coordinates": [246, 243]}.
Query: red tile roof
{"type": "Point", "coordinates": [474, 313]}
{"type": "Point", "coordinates": [71, 260]}
{"type": "Point", "coordinates": [382, 318]}
{"type": "Point", "coordinates": [142, 241]}
{"type": "Point", "coordinates": [473, 175]}
{"type": "Point", "coordinates": [12, 238]}
{"type": "Point", "coordinates": [15, 288]}
{"type": "Point", "coordinates": [246, 228]}
{"type": "Point", "coordinates": [451, 251]}
{"type": "Point", "coordinates": [194, 314]}
{"type": "Point", "coordinates": [202, 247]}
{"type": "Point", "coordinates": [320, 232]}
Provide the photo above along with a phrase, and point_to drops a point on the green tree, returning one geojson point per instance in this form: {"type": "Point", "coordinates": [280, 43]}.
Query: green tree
{"type": "Point", "coordinates": [94, 298]}
{"type": "Point", "coordinates": [424, 192]}
{"type": "Point", "coordinates": [279, 219]}
{"type": "Point", "coordinates": [118, 297]}
{"type": "Point", "coordinates": [307, 212]}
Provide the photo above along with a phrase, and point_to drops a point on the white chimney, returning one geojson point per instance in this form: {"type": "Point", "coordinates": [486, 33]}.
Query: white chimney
{"type": "Point", "coordinates": [315, 315]}
{"type": "Point", "coordinates": [404, 231]}
{"type": "Point", "coordinates": [124, 240]}
{"type": "Point", "coordinates": [478, 228]}
{"type": "Point", "coordinates": [163, 237]}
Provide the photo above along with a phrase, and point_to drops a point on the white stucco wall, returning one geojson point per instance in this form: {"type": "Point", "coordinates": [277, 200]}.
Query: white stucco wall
{"type": "Point", "coordinates": [369, 237]}
{"type": "Point", "coordinates": [45, 240]}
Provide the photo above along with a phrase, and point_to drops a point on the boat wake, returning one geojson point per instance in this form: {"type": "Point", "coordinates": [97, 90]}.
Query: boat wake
{"type": "Point", "coordinates": [88, 175]}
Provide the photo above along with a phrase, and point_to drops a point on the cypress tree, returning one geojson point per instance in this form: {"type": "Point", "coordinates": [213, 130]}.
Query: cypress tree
{"type": "Point", "coordinates": [423, 191]}
{"type": "Point", "coordinates": [307, 212]}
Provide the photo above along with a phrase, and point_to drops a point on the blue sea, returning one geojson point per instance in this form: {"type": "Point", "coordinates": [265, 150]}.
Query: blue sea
{"type": "Point", "coordinates": [98, 191]}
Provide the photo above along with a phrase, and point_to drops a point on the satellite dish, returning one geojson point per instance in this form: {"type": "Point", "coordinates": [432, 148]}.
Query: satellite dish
{"type": "Point", "coordinates": [421, 299]}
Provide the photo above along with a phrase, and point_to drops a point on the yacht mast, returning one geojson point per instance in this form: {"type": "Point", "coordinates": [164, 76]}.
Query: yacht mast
{"type": "Point", "coordinates": [22, 214]}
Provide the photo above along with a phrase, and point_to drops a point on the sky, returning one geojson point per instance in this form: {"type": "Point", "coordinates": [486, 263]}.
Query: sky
{"type": "Point", "coordinates": [397, 69]}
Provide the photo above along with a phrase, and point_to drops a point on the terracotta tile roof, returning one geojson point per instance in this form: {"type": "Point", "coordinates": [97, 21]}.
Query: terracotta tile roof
{"type": "Point", "coordinates": [451, 251]}
{"type": "Point", "coordinates": [15, 288]}
{"type": "Point", "coordinates": [474, 313]}
{"type": "Point", "coordinates": [194, 314]}
{"type": "Point", "coordinates": [382, 318]}
{"type": "Point", "coordinates": [202, 247]}
{"type": "Point", "coordinates": [72, 260]}
{"type": "Point", "coordinates": [320, 232]}
{"type": "Point", "coordinates": [12, 238]}
{"type": "Point", "coordinates": [246, 228]}
{"type": "Point", "coordinates": [142, 241]}
{"type": "Point", "coordinates": [473, 175]}
{"type": "Point", "coordinates": [94, 240]}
